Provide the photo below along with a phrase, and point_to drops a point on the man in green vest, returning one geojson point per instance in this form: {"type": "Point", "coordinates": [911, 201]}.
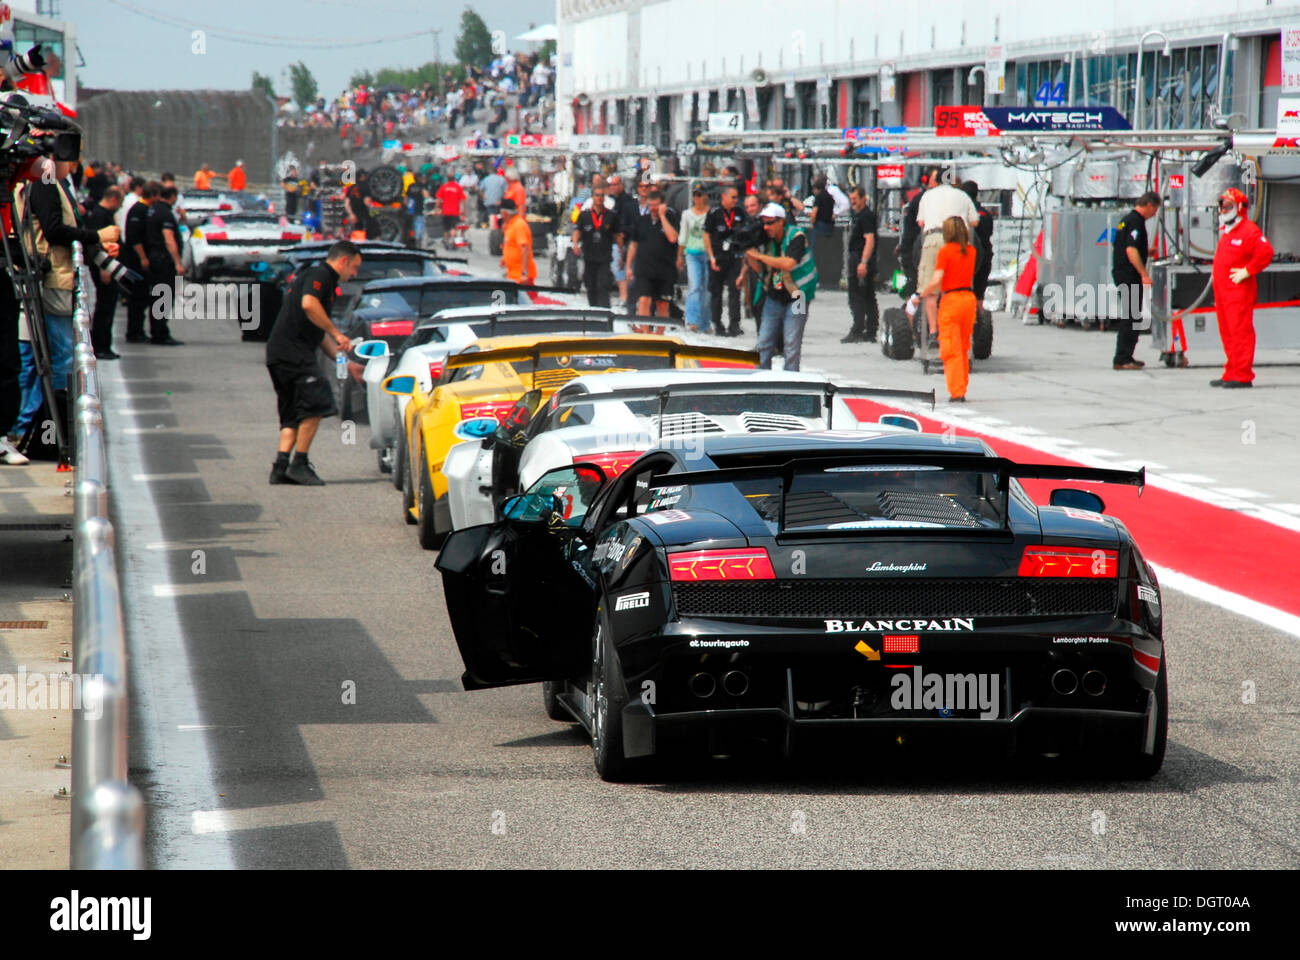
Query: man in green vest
{"type": "Point", "coordinates": [787, 284]}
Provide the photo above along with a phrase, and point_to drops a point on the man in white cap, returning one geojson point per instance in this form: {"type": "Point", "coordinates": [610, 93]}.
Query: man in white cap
{"type": "Point", "coordinates": [787, 284]}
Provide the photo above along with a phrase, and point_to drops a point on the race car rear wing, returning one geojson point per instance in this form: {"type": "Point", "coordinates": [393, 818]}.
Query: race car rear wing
{"type": "Point", "coordinates": [1004, 468]}
{"type": "Point", "coordinates": [593, 346]}
{"type": "Point", "coordinates": [829, 391]}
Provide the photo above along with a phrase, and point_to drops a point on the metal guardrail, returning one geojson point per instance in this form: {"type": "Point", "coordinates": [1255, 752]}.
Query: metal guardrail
{"type": "Point", "coordinates": [107, 830]}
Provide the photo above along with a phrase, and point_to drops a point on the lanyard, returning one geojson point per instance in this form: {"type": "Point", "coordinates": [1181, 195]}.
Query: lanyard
{"type": "Point", "coordinates": [596, 218]}
{"type": "Point", "coordinates": [731, 218]}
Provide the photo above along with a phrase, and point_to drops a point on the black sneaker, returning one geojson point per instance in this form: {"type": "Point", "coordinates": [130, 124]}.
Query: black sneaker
{"type": "Point", "coordinates": [1235, 384]}
{"type": "Point", "coordinates": [851, 337]}
{"type": "Point", "coordinates": [301, 473]}
{"type": "Point", "coordinates": [1216, 383]}
{"type": "Point", "coordinates": [279, 471]}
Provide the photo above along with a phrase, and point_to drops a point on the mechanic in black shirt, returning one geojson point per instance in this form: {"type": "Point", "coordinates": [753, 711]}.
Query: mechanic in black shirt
{"type": "Point", "coordinates": [358, 211]}
{"type": "Point", "coordinates": [162, 246]}
{"type": "Point", "coordinates": [652, 254]}
{"type": "Point", "coordinates": [984, 241]}
{"type": "Point", "coordinates": [302, 393]}
{"type": "Point", "coordinates": [1128, 269]}
{"type": "Point", "coordinates": [862, 269]}
{"type": "Point", "coordinates": [822, 215]}
{"type": "Point", "coordinates": [135, 257]}
{"type": "Point", "coordinates": [720, 226]}
{"type": "Point", "coordinates": [101, 323]}
{"type": "Point", "coordinates": [594, 237]}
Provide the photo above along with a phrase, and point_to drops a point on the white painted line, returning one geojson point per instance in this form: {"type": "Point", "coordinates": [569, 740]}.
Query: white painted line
{"type": "Point", "coordinates": [258, 818]}
{"type": "Point", "coordinates": [1241, 492]}
{"type": "Point", "coordinates": [137, 431]}
{"type": "Point", "coordinates": [1233, 602]}
{"type": "Point", "coordinates": [152, 477]}
{"type": "Point", "coordinates": [197, 726]}
{"type": "Point", "coordinates": [1188, 478]}
{"type": "Point", "coordinates": [196, 589]}
{"type": "Point", "coordinates": [1288, 507]}
{"type": "Point", "coordinates": [164, 691]}
{"type": "Point", "coordinates": [131, 412]}
{"type": "Point", "coordinates": [1092, 451]}
{"type": "Point", "coordinates": [168, 545]}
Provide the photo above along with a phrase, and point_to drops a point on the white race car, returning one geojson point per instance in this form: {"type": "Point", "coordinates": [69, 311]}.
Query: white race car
{"type": "Point", "coordinates": [434, 338]}
{"type": "Point", "coordinates": [612, 420]}
{"type": "Point", "coordinates": [230, 243]}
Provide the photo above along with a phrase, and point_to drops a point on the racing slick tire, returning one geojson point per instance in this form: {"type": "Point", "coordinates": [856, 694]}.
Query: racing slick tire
{"type": "Point", "coordinates": [408, 490]}
{"type": "Point", "coordinates": [388, 225]}
{"type": "Point", "coordinates": [896, 334]}
{"type": "Point", "coordinates": [550, 700]}
{"type": "Point", "coordinates": [981, 341]}
{"type": "Point", "coordinates": [386, 184]}
{"type": "Point", "coordinates": [399, 460]}
{"type": "Point", "coordinates": [608, 698]}
{"type": "Point", "coordinates": [430, 538]}
{"type": "Point", "coordinates": [1135, 764]}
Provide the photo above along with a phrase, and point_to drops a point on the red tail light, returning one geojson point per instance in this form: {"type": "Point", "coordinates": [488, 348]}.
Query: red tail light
{"type": "Point", "coordinates": [219, 235]}
{"type": "Point", "coordinates": [286, 235]}
{"type": "Point", "coordinates": [435, 370]}
{"type": "Point", "coordinates": [1049, 561]}
{"type": "Point", "coordinates": [739, 564]}
{"type": "Point", "coordinates": [612, 463]}
{"type": "Point", "coordinates": [392, 328]}
{"type": "Point", "coordinates": [492, 408]}
{"type": "Point", "coordinates": [225, 206]}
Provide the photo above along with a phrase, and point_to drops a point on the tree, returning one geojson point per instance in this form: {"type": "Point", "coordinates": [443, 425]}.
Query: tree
{"type": "Point", "coordinates": [303, 85]}
{"type": "Point", "coordinates": [362, 78]}
{"type": "Point", "coordinates": [474, 44]}
{"type": "Point", "coordinates": [544, 54]}
{"type": "Point", "coordinates": [263, 83]}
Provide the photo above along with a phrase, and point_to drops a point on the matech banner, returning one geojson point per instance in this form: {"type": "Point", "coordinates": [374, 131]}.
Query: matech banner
{"type": "Point", "coordinates": [1056, 118]}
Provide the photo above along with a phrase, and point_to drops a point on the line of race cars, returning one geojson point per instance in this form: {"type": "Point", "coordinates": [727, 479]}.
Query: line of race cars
{"type": "Point", "coordinates": [693, 556]}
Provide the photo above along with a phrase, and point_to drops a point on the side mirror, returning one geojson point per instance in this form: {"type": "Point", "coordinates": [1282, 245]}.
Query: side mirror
{"type": "Point", "coordinates": [901, 420]}
{"type": "Point", "coordinates": [477, 428]}
{"type": "Point", "coordinates": [1077, 499]}
{"type": "Point", "coordinates": [371, 349]}
{"type": "Point", "coordinates": [400, 386]}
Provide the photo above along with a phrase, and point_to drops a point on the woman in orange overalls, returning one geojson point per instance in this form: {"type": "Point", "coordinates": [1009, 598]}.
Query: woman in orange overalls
{"type": "Point", "coordinates": [954, 272]}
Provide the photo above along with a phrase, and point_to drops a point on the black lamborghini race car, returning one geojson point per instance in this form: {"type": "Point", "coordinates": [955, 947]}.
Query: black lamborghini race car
{"type": "Point", "coordinates": [893, 587]}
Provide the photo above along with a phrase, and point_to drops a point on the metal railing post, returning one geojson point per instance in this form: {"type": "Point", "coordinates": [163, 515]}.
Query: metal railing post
{"type": "Point", "coordinates": [107, 819]}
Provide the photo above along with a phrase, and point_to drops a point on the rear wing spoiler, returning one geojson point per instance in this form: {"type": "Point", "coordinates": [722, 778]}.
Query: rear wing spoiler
{"type": "Point", "coordinates": [1005, 469]}
{"type": "Point", "coordinates": [593, 346]}
{"type": "Point", "coordinates": [829, 392]}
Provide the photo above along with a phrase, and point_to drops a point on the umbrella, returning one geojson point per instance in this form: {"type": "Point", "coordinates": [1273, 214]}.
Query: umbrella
{"type": "Point", "coordinates": [540, 34]}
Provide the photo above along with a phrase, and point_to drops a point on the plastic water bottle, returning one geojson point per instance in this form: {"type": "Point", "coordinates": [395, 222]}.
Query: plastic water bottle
{"type": "Point", "coordinates": [341, 365]}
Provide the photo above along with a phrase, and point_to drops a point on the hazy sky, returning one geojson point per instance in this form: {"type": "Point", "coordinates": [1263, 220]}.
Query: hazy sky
{"type": "Point", "coordinates": [125, 45]}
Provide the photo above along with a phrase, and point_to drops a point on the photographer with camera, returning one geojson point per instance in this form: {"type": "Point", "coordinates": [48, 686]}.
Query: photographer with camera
{"type": "Point", "coordinates": [54, 227]}
{"type": "Point", "coordinates": [787, 284]}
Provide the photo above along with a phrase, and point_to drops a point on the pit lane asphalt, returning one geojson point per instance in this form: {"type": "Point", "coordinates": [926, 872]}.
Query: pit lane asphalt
{"type": "Point", "coordinates": [307, 589]}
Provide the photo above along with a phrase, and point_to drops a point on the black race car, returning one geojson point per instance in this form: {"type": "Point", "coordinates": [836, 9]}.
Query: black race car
{"type": "Point", "coordinates": [893, 587]}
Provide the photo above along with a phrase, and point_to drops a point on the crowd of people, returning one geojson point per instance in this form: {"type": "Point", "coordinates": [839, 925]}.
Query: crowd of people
{"type": "Point", "coordinates": [514, 94]}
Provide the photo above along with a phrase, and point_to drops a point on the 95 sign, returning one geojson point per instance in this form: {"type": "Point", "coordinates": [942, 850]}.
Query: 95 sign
{"type": "Point", "coordinates": [963, 122]}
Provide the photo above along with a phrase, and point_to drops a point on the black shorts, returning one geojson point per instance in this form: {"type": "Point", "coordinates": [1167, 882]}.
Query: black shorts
{"type": "Point", "coordinates": [449, 221]}
{"type": "Point", "coordinates": [655, 286]}
{"type": "Point", "coordinates": [301, 392]}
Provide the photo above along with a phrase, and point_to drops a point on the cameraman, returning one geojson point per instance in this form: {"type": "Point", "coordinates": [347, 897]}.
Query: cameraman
{"type": "Point", "coordinates": [54, 228]}
{"type": "Point", "coordinates": [720, 228]}
{"type": "Point", "coordinates": [787, 283]}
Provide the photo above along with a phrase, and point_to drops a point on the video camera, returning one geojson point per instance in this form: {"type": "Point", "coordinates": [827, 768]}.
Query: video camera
{"type": "Point", "coordinates": [749, 236]}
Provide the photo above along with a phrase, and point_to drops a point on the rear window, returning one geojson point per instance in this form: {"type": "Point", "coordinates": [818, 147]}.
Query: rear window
{"type": "Point", "coordinates": [733, 405]}
{"type": "Point", "coordinates": [399, 301]}
{"type": "Point", "coordinates": [433, 299]}
{"type": "Point", "coordinates": [393, 269]}
{"type": "Point", "coordinates": [862, 497]}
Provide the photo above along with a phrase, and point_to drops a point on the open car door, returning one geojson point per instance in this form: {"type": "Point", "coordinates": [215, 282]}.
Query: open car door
{"type": "Point", "coordinates": [521, 610]}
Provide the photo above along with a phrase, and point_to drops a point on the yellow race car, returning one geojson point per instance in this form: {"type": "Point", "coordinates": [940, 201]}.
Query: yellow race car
{"type": "Point", "coordinates": [484, 382]}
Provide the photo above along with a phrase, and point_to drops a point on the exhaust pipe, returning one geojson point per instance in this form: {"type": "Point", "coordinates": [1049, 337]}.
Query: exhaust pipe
{"type": "Point", "coordinates": [1065, 682]}
{"type": "Point", "coordinates": [1094, 683]}
{"type": "Point", "coordinates": [735, 683]}
{"type": "Point", "coordinates": [702, 685]}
